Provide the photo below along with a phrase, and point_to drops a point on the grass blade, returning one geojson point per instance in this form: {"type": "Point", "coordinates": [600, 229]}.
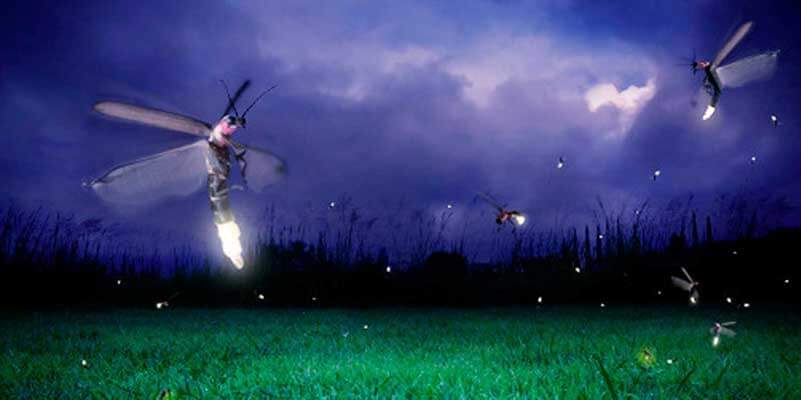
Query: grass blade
{"type": "Point", "coordinates": [607, 378]}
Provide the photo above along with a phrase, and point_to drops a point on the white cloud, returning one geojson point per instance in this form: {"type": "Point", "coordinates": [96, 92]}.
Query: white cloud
{"type": "Point", "coordinates": [629, 102]}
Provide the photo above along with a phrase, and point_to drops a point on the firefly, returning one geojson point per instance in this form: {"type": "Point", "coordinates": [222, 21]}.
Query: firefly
{"type": "Point", "coordinates": [261, 296]}
{"type": "Point", "coordinates": [178, 171]}
{"type": "Point", "coordinates": [747, 305]}
{"type": "Point", "coordinates": [669, 361]}
{"type": "Point", "coordinates": [734, 252]}
{"type": "Point", "coordinates": [513, 216]}
{"type": "Point", "coordinates": [733, 74]}
{"type": "Point", "coordinates": [786, 281]}
{"type": "Point", "coordinates": [365, 327]}
{"type": "Point", "coordinates": [389, 269]}
{"type": "Point", "coordinates": [314, 299]}
{"type": "Point", "coordinates": [450, 206]}
{"type": "Point", "coordinates": [603, 305]}
{"type": "Point", "coordinates": [688, 285]}
{"type": "Point", "coordinates": [578, 270]}
{"type": "Point", "coordinates": [718, 329]}
{"type": "Point", "coordinates": [601, 237]}
{"type": "Point", "coordinates": [119, 282]}
{"type": "Point", "coordinates": [539, 299]}
{"type": "Point", "coordinates": [84, 364]}
{"type": "Point", "coordinates": [561, 163]}
{"type": "Point", "coordinates": [657, 174]}
{"type": "Point", "coordinates": [728, 300]}
{"type": "Point", "coordinates": [332, 204]}
{"type": "Point", "coordinates": [659, 292]}
{"type": "Point", "coordinates": [161, 304]}
{"type": "Point", "coordinates": [753, 159]}
{"type": "Point", "coordinates": [774, 120]}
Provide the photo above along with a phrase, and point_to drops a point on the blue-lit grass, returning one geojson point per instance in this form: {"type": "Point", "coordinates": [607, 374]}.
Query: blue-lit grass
{"type": "Point", "coordinates": [559, 352]}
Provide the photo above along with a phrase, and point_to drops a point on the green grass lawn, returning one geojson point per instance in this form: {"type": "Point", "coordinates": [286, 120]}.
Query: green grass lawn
{"type": "Point", "coordinates": [553, 353]}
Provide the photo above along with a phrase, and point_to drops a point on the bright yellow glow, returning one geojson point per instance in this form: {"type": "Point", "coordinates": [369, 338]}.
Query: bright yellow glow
{"type": "Point", "coordinates": [715, 341]}
{"type": "Point", "coordinates": [229, 235]}
{"type": "Point", "coordinates": [708, 113]}
{"type": "Point", "coordinates": [519, 219]}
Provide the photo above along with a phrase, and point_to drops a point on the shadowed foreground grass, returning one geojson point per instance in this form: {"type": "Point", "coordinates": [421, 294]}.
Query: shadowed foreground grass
{"type": "Point", "coordinates": [559, 352]}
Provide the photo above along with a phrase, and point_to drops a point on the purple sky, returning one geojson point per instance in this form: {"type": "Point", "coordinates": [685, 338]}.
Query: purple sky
{"type": "Point", "coordinates": [422, 103]}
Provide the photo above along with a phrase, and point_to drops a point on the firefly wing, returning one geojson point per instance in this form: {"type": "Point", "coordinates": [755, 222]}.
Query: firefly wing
{"type": "Point", "coordinates": [729, 323]}
{"type": "Point", "coordinates": [490, 200]}
{"type": "Point", "coordinates": [726, 331]}
{"type": "Point", "coordinates": [263, 167]}
{"type": "Point", "coordinates": [172, 173]}
{"type": "Point", "coordinates": [749, 69]}
{"type": "Point", "coordinates": [687, 274]}
{"type": "Point", "coordinates": [732, 43]}
{"type": "Point", "coordinates": [681, 283]}
{"type": "Point", "coordinates": [153, 117]}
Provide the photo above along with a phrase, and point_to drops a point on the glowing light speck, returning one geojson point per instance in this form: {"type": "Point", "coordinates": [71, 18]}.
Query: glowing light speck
{"type": "Point", "coordinates": [578, 270]}
{"type": "Point", "coordinates": [389, 269]}
{"type": "Point", "coordinates": [519, 219]}
{"type": "Point", "coordinates": [747, 305]}
{"type": "Point", "coordinates": [728, 300]}
{"type": "Point", "coordinates": [261, 296]}
{"type": "Point", "coordinates": [715, 341]}
{"type": "Point", "coordinates": [539, 299]}
{"type": "Point", "coordinates": [669, 361]}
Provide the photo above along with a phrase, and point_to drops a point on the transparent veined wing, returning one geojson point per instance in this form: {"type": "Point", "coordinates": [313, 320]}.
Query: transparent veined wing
{"type": "Point", "coordinates": [681, 283]}
{"type": "Point", "coordinates": [153, 117]}
{"type": "Point", "coordinates": [172, 173]}
{"type": "Point", "coordinates": [749, 69]}
{"type": "Point", "coordinates": [263, 168]}
{"type": "Point", "coordinates": [732, 43]}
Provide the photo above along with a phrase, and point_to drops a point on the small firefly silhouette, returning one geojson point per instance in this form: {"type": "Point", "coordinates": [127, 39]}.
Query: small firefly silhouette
{"type": "Point", "coordinates": [721, 329]}
{"type": "Point", "coordinates": [689, 285]}
{"type": "Point", "coordinates": [657, 174]}
{"type": "Point", "coordinates": [561, 163]}
{"type": "Point", "coordinates": [774, 120]}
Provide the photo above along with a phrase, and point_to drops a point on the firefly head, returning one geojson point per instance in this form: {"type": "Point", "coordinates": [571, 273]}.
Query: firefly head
{"type": "Point", "coordinates": [231, 123]}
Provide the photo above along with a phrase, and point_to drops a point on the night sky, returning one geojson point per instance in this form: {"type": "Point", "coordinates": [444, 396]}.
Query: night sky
{"type": "Point", "coordinates": [403, 104]}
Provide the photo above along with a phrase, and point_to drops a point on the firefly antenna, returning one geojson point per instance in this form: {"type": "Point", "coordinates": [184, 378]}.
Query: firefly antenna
{"type": "Point", "coordinates": [230, 101]}
{"type": "Point", "coordinates": [257, 100]}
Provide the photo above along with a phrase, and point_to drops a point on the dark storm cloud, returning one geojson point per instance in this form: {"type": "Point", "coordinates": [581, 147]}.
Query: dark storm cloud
{"type": "Point", "coordinates": [421, 103]}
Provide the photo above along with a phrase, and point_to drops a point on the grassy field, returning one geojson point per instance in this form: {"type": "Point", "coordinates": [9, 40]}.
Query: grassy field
{"type": "Point", "coordinates": [554, 353]}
